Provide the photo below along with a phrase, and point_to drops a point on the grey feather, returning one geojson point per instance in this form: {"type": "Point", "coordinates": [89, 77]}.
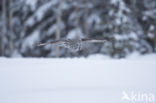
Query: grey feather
{"type": "Point", "coordinates": [74, 44]}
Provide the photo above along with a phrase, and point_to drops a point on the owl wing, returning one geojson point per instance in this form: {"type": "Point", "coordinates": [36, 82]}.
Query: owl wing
{"type": "Point", "coordinates": [58, 42]}
{"type": "Point", "coordinates": [92, 40]}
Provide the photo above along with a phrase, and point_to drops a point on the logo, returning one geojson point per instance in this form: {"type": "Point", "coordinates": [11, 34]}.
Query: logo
{"type": "Point", "coordinates": [134, 96]}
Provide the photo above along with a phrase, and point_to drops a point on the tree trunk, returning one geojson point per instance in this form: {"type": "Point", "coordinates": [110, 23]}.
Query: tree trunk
{"type": "Point", "coordinates": [86, 20]}
{"type": "Point", "coordinates": [10, 29]}
{"type": "Point", "coordinates": [77, 21]}
{"type": "Point", "coordinates": [58, 31]}
{"type": "Point", "coordinates": [2, 49]}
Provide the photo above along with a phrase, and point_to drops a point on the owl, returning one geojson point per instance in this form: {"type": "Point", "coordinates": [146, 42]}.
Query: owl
{"type": "Point", "coordinates": [73, 44]}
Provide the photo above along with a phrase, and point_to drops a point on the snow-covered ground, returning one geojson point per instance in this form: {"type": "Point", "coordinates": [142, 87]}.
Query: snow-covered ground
{"type": "Point", "coordinates": [96, 79]}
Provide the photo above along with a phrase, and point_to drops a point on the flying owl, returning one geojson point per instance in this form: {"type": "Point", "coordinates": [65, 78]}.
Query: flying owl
{"type": "Point", "coordinates": [74, 44]}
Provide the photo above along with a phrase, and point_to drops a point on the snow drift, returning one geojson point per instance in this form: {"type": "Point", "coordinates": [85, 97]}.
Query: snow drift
{"type": "Point", "coordinates": [96, 79]}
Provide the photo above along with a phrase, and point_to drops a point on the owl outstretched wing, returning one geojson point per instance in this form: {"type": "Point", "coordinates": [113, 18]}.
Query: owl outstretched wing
{"type": "Point", "coordinates": [58, 42]}
{"type": "Point", "coordinates": [68, 43]}
{"type": "Point", "coordinates": [74, 44]}
{"type": "Point", "coordinates": [93, 40]}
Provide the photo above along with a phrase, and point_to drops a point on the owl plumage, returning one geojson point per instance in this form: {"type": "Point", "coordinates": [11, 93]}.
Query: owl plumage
{"type": "Point", "coordinates": [74, 44]}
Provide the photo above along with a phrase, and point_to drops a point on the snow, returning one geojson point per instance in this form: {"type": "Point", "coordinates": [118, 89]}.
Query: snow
{"type": "Point", "coordinates": [151, 13]}
{"type": "Point", "coordinates": [30, 21]}
{"type": "Point", "coordinates": [75, 33]}
{"type": "Point", "coordinates": [42, 10]}
{"type": "Point", "coordinates": [94, 18]}
{"type": "Point", "coordinates": [31, 40]}
{"type": "Point", "coordinates": [52, 29]}
{"type": "Point", "coordinates": [131, 35]}
{"type": "Point", "coordinates": [31, 3]}
{"type": "Point", "coordinates": [150, 35]}
{"type": "Point", "coordinates": [96, 79]}
{"type": "Point", "coordinates": [39, 14]}
{"type": "Point", "coordinates": [151, 28]}
{"type": "Point", "coordinates": [120, 16]}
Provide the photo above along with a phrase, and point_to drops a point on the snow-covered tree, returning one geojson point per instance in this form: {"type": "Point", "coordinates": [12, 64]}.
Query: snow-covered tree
{"type": "Point", "coordinates": [127, 25]}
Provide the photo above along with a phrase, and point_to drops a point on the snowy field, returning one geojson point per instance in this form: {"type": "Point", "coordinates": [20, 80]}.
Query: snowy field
{"type": "Point", "coordinates": [96, 79]}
